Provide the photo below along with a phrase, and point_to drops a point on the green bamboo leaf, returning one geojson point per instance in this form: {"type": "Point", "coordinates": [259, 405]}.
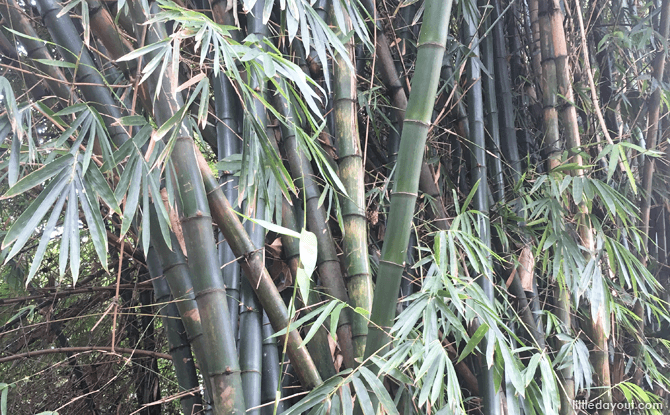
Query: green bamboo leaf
{"type": "Point", "coordinates": [97, 181]}
{"type": "Point", "coordinates": [614, 160]}
{"type": "Point", "coordinates": [271, 226]}
{"type": "Point", "coordinates": [40, 176]}
{"type": "Point", "coordinates": [144, 50]}
{"type": "Point", "coordinates": [146, 227]}
{"type": "Point", "coordinates": [46, 238]}
{"type": "Point", "coordinates": [334, 319]}
{"type": "Point", "coordinates": [362, 396]}
{"type": "Point", "coordinates": [96, 225]}
{"type": "Point", "coordinates": [474, 341]}
{"type": "Point", "coordinates": [26, 224]}
{"type": "Point", "coordinates": [75, 241]}
{"type": "Point", "coordinates": [58, 64]}
{"type": "Point", "coordinates": [472, 194]}
{"type": "Point", "coordinates": [132, 198]}
{"type": "Point", "coordinates": [4, 390]}
{"type": "Point", "coordinates": [319, 321]}
{"type": "Point", "coordinates": [380, 391]}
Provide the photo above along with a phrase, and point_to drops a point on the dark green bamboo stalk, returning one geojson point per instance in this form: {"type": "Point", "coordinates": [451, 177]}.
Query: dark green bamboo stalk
{"type": "Point", "coordinates": [318, 347]}
{"type": "Point", "coordinates": [504, 95]}
{"type": "Point", "coordinates": [55, 79]}
{"type": "Point", "coordinates": [251, 315]}
{"type": "Point", "coordinates": [178, 276]}
{"type": "Point", "coordinates": [350, 161]}
{"type": "Point", "coordinates": [89, 80]}
{"type": "Point", "coordinates": [653, 118]}
{"type": "Point", "coordinates": [317, 222]}
{"type": "Point", "coordinates": [479, 175]}
{"type": "Point", "coordinates": [491, 105]}
{"type": "Point", "coordinates": [254, 268]}
{"type": "Point", "coordinates": [226, 103]}
{"type": "Point", "coordinates": [210, 293]}
{"type": "Point", "coordinates": [431, 46]}
{"type": "Point", "coordinates": [180, 348]}
{"type": "Point", "coordinates": [271, 372]}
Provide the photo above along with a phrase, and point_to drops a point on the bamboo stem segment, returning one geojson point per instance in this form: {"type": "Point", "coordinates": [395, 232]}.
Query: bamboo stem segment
{"type": "Point", "coordinates": [355, 241]}
{"type": "Point", "coordinates": [431, 47]}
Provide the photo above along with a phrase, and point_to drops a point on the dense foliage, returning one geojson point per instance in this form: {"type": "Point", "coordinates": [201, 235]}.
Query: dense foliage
{"type": "Point", "coordinates": [334, 207]}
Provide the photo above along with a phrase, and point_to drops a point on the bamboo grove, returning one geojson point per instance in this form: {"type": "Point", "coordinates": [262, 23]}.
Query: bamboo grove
{"type": "Point", "coordinates": [334, 207]}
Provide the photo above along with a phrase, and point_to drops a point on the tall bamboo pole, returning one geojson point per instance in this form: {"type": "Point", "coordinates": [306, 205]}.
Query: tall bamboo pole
{"type": "Point", "coordinates": [251, 314]}
{"type": "Point", "coordinates": [504, 95]}
{"type": "Point", "coordinates": [15, 19]}
{"type": "Point", "coordinates": [653, 116]}
{"type": "Point", "coordinates": [555, 54]}
{"type": "Point", "coordinates": [271, 372]}
{"type": "Point", "coordinates": [317, 222]}
{"type": "Point", "coordinates": [210, 292]}
{"type": "Point", "coordinates": [479, 175]}
{"type": "Point", "coordinates": [319, 346]}
{"type": "Point", "coordinates": [431, 46]}
{"type": "Point", "coordinates": [491, 109]}
{"type": "Point", "coordinates": [226, 104]}
{"type": "Point", "coordinates": [89, 80]}
{"type": "Point", "coordinates": [253, 265]}
{"type": "Point", "coordinates": [350, 161]}
{"type": "Point", "coordinates": [552, 143]}
{"type": "Point", "coordinates": [178, 276]}
{"type": "Point", "coordinates": [180, 348]}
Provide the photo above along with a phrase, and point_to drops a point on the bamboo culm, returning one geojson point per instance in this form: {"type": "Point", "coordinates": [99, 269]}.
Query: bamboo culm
{"type": "Point", "coordinates": [479, 175]}
{"type": "Point", "coordinates": [180, 348]}
{"type": "Point", "coordinates": [431, 47]}
{"type": "Point", "coordinates": [253, 265]}
{"type": "Point", "coordinates": [350, 161]}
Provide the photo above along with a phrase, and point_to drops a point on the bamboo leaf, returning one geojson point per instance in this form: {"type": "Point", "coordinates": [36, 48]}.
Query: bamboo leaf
{"type": "Point", "coordinates": [46, 238]}
{"type": "Point", "coordinates": [132, 198]}
{"type": "Point", "coordinates": [474, 341]}
{"type": "Point", "coordinates": [319, 321]}
{"type": "Point", "coordinates": [362, 396]}
{"type": "Point", "coordinates": [40, 176]}
{"type": "Point", "coordinates": [26, 224]}
{"type": "Point", "coordinates": [380, 391]}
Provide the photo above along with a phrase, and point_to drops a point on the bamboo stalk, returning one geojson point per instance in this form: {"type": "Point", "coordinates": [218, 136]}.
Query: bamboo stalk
{"type": "Point", "coordinates": [55, 79]}
{"type": "Point", "coordinates": [350, 161]}
{"type": "Point", "coordinates": [653, 118]}
{"type": "Point", "coordinates": [491, 109]}
{"type": "Point", "coordinates": [90, 81]}
{"type": "Point", "coordinates": [317, 222]}
{"type": "Point", "coordinates": [226, 102]}
{"type": "Point", "coordinates": [271, 372]}
{"type": "Point", "coordinates": [510, 146]}
{"type": "Point", "coordinates": [254, 268]}
{"type": "Point", "coordinates": [318, 347]}
{"type": "Point", "coordinates": [549, 95]}
{"type": "Point", "coordinates": [210, 293]}
{"type": "Point", "coordinates": [431, 46]}
{"type": "Point", "coordinates": [251, 314]}
{"type": "Point", "coordinates": [178, 276]}
{"type": "Point", "coordinates": [180, 348]}
{"type": "Point", "coordinates": [479, 175]}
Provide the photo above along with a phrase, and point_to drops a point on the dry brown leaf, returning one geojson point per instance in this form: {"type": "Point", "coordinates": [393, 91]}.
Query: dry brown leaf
{"type": "Point", "coordinates": [526, 266]}
{"type": "Point", "coordinates": [174, 221]}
